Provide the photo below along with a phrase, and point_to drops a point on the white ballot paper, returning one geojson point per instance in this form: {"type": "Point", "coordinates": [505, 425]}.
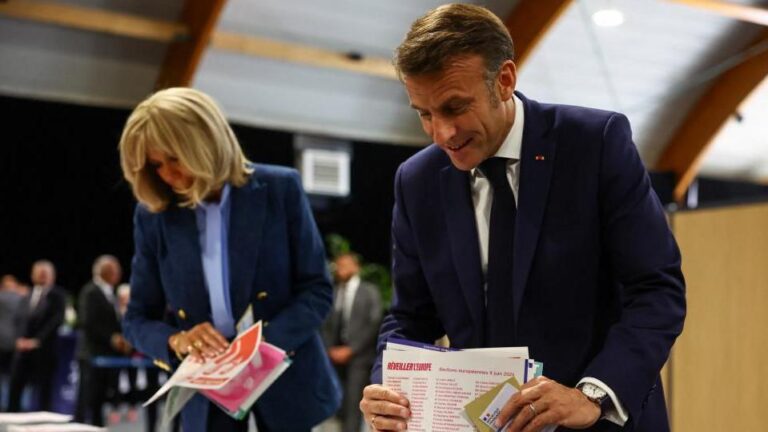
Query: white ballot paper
{"type": "Point", "coordinates": [439, 384]}
{"type": "Point", "coordinates": [55, 427]}
{"type": "Point", "coordinates": [34, 417]}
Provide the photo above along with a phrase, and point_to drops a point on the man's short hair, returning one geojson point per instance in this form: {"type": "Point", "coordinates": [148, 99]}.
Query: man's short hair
{"type": "Point", "coordinates": [454, 30]}
{"type": "Point", "coordinates": [351, 255]}
{"type": "Point", "coordinates": [44, 263]}
{"type": "Point", "coordinates": [101, 261]}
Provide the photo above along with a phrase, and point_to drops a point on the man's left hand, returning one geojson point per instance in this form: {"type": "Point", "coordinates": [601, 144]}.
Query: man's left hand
{"type": "Point", "coordinates": [543, 402]}
{"type": "Point", "coordinates": [27, 344]}
{"type": "Point", "coordinates": [340, 354]}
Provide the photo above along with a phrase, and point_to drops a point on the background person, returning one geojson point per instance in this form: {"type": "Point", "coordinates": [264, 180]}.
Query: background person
{"type": "Point", "coordinates": [10, 298]}
{"type": "Point", "coordinates": [40, 315]}
{"type": "Point", "coordinates": [101, 336]}
{"type": "Point", "coordinates": [350, 335]}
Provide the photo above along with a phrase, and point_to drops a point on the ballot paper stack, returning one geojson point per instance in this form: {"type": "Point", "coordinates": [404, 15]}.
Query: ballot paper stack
{"type": "Point", "coordinates": [42, 421]}
{"type": "Point", "coordinates": [232, 380]}
{"type": "Point", "coordinates": [455, 390]}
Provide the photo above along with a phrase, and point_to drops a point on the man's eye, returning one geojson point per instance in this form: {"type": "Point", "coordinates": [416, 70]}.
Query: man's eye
{"type": "Point", "coordinates": [424, 115]}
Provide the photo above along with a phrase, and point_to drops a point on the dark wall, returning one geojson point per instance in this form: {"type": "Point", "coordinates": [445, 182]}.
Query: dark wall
{"type": "Point", "coordinates": [60, 185]}
{"type": "Point", "coordinates": [62, 196]}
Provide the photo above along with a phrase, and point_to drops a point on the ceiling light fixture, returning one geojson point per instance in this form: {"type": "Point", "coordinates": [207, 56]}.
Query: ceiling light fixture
{"type": "Point", "coordinates": [608, 17]}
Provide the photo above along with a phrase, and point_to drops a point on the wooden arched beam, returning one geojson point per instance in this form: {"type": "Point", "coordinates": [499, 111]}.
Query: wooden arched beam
{"type": "Point", "coordinates": [684, 151]}
{"type": "Point", "coordinates": [94, 20]}
{"type": "Point", "coordinates": [183, 56]}
{"type": "Point", "coordinates": [529, 21]}
{"type": "Point", "coordinates": [742, 12]}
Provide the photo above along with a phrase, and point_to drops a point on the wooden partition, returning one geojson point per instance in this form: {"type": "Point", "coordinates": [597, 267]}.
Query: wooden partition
{"type": "Point", "coordinates": [718, 371]}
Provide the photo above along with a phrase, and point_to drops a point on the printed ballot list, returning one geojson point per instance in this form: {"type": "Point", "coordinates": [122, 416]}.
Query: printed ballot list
{"type": "Point", "coordinates": [233, 380]}
{"type": "Point", "coordinates": [439, 385]}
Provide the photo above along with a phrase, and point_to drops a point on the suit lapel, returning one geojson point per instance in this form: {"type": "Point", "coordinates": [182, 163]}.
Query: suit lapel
{"type": "Point", "coordinates": [246, 222]}
{"type": "Point", "coordinates": [184, 248]}
{"type": "Point", "coordinates": [465, 250]}
{"type": "Point", "coordinates": [536, 161]}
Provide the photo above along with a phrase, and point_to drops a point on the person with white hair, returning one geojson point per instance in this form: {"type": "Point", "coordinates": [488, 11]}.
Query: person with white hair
{"type": "Point", "coordinates": [100, 335]}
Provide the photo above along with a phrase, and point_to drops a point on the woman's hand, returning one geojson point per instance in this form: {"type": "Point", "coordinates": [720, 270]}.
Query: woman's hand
{"type": "Point", "coordinates": [202, 340]}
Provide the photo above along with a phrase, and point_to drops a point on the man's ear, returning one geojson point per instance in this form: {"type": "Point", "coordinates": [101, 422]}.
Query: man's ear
{"type": "Point", "coordinates": [506, 80]}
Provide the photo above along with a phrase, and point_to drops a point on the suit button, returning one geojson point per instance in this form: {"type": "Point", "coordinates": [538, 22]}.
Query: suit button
{"type": "Point", "coordinates": [261, 295]}
{"type": "Point", "coordinates": [182, 314]}
{"type": "Point", "coordinates": [162, 365]}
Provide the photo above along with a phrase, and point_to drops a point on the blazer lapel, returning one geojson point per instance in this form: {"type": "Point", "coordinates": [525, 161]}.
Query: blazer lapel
{"type": "Point", "coordinates": [184, 249]}
{"type": "Point", "coordinates": [536, 161]}
{"type": "Point", "coordinates": [462, 229]}
{"type": "Point", "coordinates": [248, 210]}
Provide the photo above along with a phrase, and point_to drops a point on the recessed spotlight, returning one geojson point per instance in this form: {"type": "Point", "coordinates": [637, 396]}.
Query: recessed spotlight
{"type": "Point", "coordinates": [608, 18]}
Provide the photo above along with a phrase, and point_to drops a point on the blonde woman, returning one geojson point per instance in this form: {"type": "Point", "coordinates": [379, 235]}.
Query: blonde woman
{"type": "Point", "coordinates": [214, 235]}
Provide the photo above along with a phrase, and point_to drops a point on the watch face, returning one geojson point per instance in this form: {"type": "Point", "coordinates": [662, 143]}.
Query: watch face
{"type": "Point", "coordinates": [593, 392]}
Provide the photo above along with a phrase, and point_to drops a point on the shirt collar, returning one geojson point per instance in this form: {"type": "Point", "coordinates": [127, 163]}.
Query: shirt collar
{"type": "Point", "coordinates": [512, 144]}
{"type": "Point", "coordinates": [104, 286]}
{"type": "Point", "coordinates": [222, 202]}
{"type": "Point", "coordinates": [354, 281]}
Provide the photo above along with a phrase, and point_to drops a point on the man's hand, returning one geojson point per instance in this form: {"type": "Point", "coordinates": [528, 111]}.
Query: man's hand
{"type": "Point", "coordinates": [340, 354]}
{"type": "Point", "coordinates": [120, 344]}
{"type": "Point", "coordinates": [202, 340]}
{"type": "Point", "coordinates": [384, 409]}
{"type": "Point", "coordinates": [27, 344]}
{"type": "Point", "coordinates": [543, 402]}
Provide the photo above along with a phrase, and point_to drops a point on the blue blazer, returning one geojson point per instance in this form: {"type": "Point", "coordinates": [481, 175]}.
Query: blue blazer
{"type": "Point", "coordinates": [597, 285]}
{"type": "Point", "coordinates": [277, 266]}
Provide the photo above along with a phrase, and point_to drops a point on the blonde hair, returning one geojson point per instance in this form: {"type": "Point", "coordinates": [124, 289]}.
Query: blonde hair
{"type": "Point", "coordinates": [187, 124]}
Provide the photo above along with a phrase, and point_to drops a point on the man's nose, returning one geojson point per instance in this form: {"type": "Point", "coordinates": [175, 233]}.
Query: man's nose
{"type": "Point", "coordinates": [443, 130]}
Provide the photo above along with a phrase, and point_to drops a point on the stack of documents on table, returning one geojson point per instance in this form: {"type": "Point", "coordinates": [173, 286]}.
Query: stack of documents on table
{"type": "Point", "coordinates": [233, 380]}
{"type": "Point", "coordinates": [455, 390]}
{"type": "Point", "coordinates": [42, 421]}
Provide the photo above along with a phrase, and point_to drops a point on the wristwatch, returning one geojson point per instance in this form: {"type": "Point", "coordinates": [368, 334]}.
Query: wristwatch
{"type": "Point", "coordinates": [596, 394]}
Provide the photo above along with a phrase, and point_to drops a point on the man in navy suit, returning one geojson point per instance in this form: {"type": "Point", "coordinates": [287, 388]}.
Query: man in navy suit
{"type": "Point", "coordinates": [527, 224]}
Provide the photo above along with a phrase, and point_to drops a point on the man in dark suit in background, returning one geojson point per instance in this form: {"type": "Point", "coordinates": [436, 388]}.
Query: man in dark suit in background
{"type": "Point", "coordinates": [528, 224]}
{"type": "Point", "coordinates": [40, 316]}
{"type": "Point", "coordinates": [350, 335]}
{"type": "Point", "coordinates": [101, 335]}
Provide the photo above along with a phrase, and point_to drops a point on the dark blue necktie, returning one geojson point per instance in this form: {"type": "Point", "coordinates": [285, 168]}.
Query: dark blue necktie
{"type": "Point", "coordinates": [499, 316]}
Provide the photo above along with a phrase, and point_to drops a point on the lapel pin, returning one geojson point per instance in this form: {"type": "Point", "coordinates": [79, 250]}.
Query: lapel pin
{"type": "Point", "coordinates": [539, 157]}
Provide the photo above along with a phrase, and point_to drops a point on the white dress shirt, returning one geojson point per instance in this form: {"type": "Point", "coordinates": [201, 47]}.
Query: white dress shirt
{"type": "Point", "coordinates": [38, 292]}
{"type": "Point", "coordinates": [482, 198]}
{"type": "Point", "coordinates": [347, 297]}
{"type": "Point", "coordinates": [105, 288]}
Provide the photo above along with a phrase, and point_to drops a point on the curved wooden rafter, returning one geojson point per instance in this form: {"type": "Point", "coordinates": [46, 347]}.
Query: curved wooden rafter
{"type": "Point", "coordinates": [685, 150]}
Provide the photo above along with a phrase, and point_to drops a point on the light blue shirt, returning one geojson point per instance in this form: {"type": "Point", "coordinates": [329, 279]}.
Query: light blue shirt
{"type": "Point", "coordinates": [213, 229]}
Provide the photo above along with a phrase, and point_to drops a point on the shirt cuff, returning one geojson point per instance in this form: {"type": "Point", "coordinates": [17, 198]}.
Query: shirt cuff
{"type": "Point", "coordinates": [616, 414]}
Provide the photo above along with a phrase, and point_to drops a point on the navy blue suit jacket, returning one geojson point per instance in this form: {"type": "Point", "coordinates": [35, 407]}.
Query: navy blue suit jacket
{"type": "Point", "coordinates": [277, 266]}
{"type": "Point", "coordinates": [597, 285]}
